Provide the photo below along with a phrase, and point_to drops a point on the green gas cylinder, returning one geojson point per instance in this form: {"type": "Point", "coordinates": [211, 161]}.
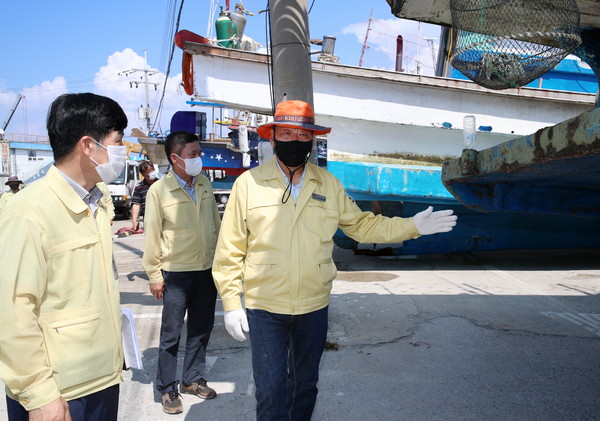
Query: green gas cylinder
{"type": "Point", "coordinates": [226, 29]}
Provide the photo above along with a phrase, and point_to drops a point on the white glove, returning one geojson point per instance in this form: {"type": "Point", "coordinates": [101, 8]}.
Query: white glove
{"type": "Point", "coordinates": [236, 324]}
{"type": "Point", "coordinates": [429, 222]}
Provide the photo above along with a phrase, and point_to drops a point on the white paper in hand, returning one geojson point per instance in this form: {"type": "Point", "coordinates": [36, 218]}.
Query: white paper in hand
{"type": "Point", "coordinates": [131, 347]}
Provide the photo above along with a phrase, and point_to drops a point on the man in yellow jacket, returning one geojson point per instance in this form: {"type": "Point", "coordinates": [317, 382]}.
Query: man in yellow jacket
{"type": "Point", "coordinates": [275, 247]}
{"type": "Point", "coordinates": [15, 186]}
{"type": "Point", "coordinates": [181, 226]}
{"type": "Point", "coordinates": [61, 354]}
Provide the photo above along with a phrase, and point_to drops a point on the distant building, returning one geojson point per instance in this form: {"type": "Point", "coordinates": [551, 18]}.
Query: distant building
{"type": "Point", "coordinates": [26, 155]}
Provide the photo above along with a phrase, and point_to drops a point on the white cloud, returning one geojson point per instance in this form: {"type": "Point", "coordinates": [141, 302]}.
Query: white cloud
{"type": "Point", "coordinates": [30, 116]}
{"type": "Point", "coordinates": [382, 40]}
{"type": "Point", "coordinates": [129, 90]}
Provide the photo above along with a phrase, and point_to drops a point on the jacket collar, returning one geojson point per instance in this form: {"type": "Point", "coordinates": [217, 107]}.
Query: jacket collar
{"type": "Point", "coordinates": [173, 184]}
{"type": "Point", "coordinates": [270, 171]}
{"type": "Point", "coordinates": [64, 191]}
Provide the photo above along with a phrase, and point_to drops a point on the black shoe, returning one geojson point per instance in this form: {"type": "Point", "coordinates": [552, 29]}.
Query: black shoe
{"type": "Point", "coordinates": [171, 402]}
{"type": "Point", "coordinates": [200, 389]}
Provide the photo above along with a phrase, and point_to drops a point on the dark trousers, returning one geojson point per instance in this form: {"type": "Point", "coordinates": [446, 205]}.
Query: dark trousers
{"type": "Point", "coordinates": [286, 352]}
{"type": "Point", "coordinates": [195, 293]}
{"type": "Point", "coordinates": [99, 406]}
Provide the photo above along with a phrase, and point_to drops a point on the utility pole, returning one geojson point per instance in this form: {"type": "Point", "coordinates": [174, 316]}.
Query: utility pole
{"type": "Point", "coordinates": [290, 54]}
{"type": "Point", "coordinates": [365, 46]}
{"type": "Point", "coordinates": [290, 50]}
{"type": "Point", "coordinates": [144, 113]}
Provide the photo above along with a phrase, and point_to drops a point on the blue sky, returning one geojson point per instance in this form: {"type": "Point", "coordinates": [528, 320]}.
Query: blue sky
{"type": "Point", "coordinates": [50, 48]}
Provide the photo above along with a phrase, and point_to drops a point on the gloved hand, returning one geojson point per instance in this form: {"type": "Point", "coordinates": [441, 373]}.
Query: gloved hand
{"type": "Point", "coordinates": [429, 222]}
{"type": "Point", "coordinates": [236, 324]}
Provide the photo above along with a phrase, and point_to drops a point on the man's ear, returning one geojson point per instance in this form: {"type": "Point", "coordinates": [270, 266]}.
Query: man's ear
{"type": "Point", "coordinates": [85, 145]}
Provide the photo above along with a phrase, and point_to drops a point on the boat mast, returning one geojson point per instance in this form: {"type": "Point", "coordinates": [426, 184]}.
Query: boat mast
{"type": "Point", "coordinates": [365, 46]}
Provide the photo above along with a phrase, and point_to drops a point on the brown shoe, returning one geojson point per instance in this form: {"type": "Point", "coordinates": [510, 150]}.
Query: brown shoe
{"type": "Point", "coordinates": [171, 402]}
{"type": "Point", "coordinates": [200, 389]}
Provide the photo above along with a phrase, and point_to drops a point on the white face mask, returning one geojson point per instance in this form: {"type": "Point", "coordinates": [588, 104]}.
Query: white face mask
{"type": "Point", "coordinates": [117, 155]}
{"type": "Point", "coordinates": [153, 175]}
{"type": "Point", "coordinates": [193, 166]}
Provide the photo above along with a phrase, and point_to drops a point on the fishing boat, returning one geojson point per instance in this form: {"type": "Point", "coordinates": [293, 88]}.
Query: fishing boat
{"type": "Point", "coordinates": [380, 114]}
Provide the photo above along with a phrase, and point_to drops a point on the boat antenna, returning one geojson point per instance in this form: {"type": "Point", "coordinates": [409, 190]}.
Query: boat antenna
{"type": "Point", "coordinates": [270, 58]}
{"type": "Point", "coordinates": [211, 17]}
{"type": "Point", "coordinates": [419, 49]}
{"type": "Point", "coordinates": [365, 46]}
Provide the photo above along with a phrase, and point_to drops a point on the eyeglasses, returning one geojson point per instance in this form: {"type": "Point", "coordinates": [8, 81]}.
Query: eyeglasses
{"type": "Point", "coordinates": [286, 133]}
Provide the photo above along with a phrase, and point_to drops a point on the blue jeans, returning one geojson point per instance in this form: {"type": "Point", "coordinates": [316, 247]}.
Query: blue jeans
{"type": "Point", "coordinates": [195, 293]}
{"type": "Point", "coordinates": [286, 352]}
{"type": "Point", "coordinates": [99, 406]}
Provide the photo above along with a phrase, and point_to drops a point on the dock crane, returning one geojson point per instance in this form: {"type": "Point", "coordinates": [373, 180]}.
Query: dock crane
{"type": "Point", "coordinates": [4, 148]}
{"type": "Point", "coordinates": [10, 115]}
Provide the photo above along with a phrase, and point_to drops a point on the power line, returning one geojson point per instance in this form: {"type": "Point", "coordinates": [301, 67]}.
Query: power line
{"type": "Point", "coordinates": [168, 33]}
{"type": "Point", "coordinates": [162, 98]}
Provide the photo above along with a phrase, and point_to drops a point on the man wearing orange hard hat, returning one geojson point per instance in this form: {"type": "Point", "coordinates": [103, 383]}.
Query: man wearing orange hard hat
{"type": "Point", "coordinates": [277, 252]}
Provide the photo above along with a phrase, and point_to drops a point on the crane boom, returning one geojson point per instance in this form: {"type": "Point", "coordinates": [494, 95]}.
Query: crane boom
{"type": "Point", "coordinates": [12, 111]}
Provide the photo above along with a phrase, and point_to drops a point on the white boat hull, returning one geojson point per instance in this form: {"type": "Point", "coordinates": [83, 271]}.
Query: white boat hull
{"type": "Point", "coordinates": [378, 111]}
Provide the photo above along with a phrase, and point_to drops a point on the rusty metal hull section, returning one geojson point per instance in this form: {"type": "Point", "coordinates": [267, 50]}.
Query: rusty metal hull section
{"type": "Point", "coordinates": [555, 170]}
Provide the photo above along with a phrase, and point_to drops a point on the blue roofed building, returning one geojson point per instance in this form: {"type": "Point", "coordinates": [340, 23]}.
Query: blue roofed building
{"type": "Point", "coordinates": [27, 155]}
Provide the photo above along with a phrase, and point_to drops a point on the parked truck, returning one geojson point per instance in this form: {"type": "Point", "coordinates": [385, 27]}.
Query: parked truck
{"type": "Point", "coordinates": [121, 189]}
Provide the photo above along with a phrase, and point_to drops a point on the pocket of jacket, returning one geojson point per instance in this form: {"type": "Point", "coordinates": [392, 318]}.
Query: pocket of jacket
{"type": "Point", "coordinates": [74, 244]}
{"type": "Point", "coordinates": [79, 345]}
{"type": "Point", "coordinates": [181, 246]}
{"type": "Point", "coordinates": [321, 220]}
{"type": "Point", "coordinates": [266, 270]}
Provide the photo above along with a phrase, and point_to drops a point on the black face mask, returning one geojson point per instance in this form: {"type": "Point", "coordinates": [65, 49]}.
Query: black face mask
{"type": "Point", "coordinates": [14, 187]}
{"type": "Point", "coordinates": [293, 153]}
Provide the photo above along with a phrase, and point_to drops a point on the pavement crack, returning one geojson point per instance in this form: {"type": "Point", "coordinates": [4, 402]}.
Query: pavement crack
{"type": "Point", "coordinates": [514, 331]}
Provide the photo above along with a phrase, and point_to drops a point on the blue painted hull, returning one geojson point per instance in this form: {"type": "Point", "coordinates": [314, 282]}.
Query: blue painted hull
{"type": "Point", "coordinates": [394, 190]}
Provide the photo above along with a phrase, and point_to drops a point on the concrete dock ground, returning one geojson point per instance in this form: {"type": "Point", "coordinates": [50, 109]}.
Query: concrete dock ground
{"type": "Point", "coordinates": [512, 335]}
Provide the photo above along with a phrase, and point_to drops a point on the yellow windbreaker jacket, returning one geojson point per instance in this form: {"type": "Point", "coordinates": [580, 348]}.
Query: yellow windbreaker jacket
{"type": "Point", "coordinates": [59, 301]}
{"type": "Point", "coordinates": [279, 254]}
{"type": "Point", "coordinates": [180, 236]}
{"type": "Point", "coordinates": [5, 198]}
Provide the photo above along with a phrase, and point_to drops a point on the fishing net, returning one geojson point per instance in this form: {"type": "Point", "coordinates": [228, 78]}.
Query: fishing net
{"type": "Point", "coordinates": [506, 44]}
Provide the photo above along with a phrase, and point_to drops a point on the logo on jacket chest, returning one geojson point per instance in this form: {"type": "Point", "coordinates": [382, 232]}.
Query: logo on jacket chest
{"type": "Point", "coordinates": [318, 197]}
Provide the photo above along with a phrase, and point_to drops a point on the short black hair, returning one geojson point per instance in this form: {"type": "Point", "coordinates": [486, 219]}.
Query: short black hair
{"type": "Point", "coordinates": [176, 141]}
{"type": "Point", "coordinates": [145, 165]}
{"type": "Point", "coordinates": [72, 116]}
